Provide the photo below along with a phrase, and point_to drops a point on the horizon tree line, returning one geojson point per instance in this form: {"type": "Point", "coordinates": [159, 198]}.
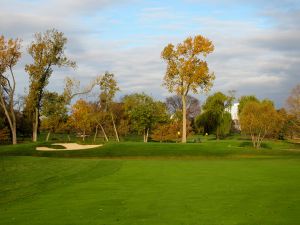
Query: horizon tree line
{"type": "Point", "coordinates": [187, 71]}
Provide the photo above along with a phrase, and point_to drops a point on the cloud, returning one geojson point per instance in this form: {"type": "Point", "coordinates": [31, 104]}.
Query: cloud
{"type": "Point", "coordinates": [155, 13]}
{"type": "Point", "coordinates": [256, 54]}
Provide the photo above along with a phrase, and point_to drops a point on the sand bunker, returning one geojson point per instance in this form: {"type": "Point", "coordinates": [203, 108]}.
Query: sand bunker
{"type": "Point", "coordinates": [68, 146]}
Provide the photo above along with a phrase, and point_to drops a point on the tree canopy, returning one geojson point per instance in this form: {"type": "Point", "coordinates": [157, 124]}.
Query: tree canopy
{"type": "Point", "coordinates": [215, 116]}
{"type": "Point", "coordinates": [187, 70]}
{"type": "Point", "coordinates": [174, 106]}
{"type": "Point", "coordinates": [9, 56]}
{"type": "Point", "coordinates": [144, 112]}
{"type": "Point", "coordinates": [244, 100]}
{"type": "Point", "coordinates": [47, 50]}
{"type": "Point", "coordinates": [258, 119]}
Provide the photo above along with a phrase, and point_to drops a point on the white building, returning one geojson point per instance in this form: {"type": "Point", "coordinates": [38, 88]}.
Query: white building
{"type": "Point", "coordinates": [234, 111]}
{"type": "Point", "coordinates": [234, 116]}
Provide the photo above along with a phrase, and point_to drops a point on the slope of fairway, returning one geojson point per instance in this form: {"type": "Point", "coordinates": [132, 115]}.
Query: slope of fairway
{"type": "Point", "coordinates": [36, 190]}
{"type": "Point", "coordinates": [211, 149]}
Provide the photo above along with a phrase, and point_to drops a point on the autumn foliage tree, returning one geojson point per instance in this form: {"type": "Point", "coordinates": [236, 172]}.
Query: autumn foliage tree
{"type": "Point", "coordinates": [82, 117]}
{"type": "Point", "coordinates": [258, 119]}
{"type": "Point", "coordinates": [47, 51]}
{"type": "Point", "coordinates": [9, 56]}
{"type": "Point", "coordinates": [243, 100]}
{"type": "Point", "coordinates": [187, 70]}
{"type": "Point", "coordinates": [166, 132]}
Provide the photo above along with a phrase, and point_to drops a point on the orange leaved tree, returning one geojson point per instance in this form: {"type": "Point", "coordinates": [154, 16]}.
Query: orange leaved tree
{"type": "Point", "coordinates": [81, 118]}
{"type": "Point", "coordinates": [187, 70]}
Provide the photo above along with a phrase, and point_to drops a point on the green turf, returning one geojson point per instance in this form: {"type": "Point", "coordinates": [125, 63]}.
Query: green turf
{"type": "Point", "coordinates": [224, 148]}
{"type": "Point", "coordinates": [216, 182]}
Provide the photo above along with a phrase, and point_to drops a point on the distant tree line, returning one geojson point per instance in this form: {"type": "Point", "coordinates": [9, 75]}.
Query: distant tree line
{"type": "Point", "coordinates": [173, 119]}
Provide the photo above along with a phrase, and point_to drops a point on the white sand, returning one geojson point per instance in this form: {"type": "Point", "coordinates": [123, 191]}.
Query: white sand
{"type": "Point", "coordinates": [68, 146]}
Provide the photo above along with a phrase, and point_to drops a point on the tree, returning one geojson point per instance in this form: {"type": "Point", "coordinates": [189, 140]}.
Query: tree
{"type": "Point", "coordinates": [166, 132]}
{"type": "Point", "coordinates": [121, 119]}
{"type": "Point", "coordinates": [225, 125]}
{"type": "Point", "coordinates": [231, 98]}
{"type": "Point", "coordinates": [186, 71]}
{"type": "Point", "coordinates": [174, 105]}
{"type": "Point", "coordinates": [47, 51]}
{"type": "Point", "coordinates": [81, 117]}
{"type": "Point", "coordinates": [258, 119]}
{"type": "Point", "coordinates": [2, 119]}
{"type": "Point", "coordinates": [72, 89]}
{"type": "Point", "coordinates": [108, 86]}
{"type": "Point", "coordinates": [9, 56]}
{"type": "Point", "coordinates": [144, 112]}
{"type": "Point", "coordinates": [293, 108]}
{"type": "Point", "coordinates": [99, 118]}
{"type": "Point", "coordinates": [291, 126]}
{"type": "Point", "coordinates": [216, 116]}
{"type": "Point", "coordinates": [244, 100]}
{"type": "Point", "coordinates": [54, 111]}
{"type": "Point", "coordinates": [284, 127]}
{"type": "Point", "coordinates": [206, 122]}
{"type": "Point", "coordinates": [293, 102]}
{"type": "Point", "coordinates": [24, 123]}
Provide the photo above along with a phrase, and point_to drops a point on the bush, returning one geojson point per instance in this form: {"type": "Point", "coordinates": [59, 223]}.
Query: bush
{"type": "Point", "coordinates": [4, 135]}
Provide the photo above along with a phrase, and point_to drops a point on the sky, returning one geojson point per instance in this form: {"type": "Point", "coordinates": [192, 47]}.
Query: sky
{"type": "Point", "coordinates": [257, 43]}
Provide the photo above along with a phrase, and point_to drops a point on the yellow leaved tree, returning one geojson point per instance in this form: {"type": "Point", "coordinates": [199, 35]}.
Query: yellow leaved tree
{"type": "Point", "coordinates": [187, 70]}
{"type": "Point", "coordinates": [9, 56]}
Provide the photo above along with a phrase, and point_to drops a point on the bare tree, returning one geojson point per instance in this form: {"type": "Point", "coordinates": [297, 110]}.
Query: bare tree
{"type": "Point", "coordinates": [174, 105]}
{"type": "Point", "coordinates": [109, 87]}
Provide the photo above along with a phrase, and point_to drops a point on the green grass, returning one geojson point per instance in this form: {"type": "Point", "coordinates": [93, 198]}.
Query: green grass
{"type": "Point", "coordinates": [213, 182]}
{"type": "Point", "coordinates": [206, 149]}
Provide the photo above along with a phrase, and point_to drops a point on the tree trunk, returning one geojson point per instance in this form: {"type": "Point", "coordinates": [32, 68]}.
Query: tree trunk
{"type": "Point", "coordinates": [160, 137]}
{"type": "Point", "coordinates": [147, 135]}
{"type": "Point", "coordinates": [183, 118]}
{"type": "Point", "coordinates": [35, 125]}
{"type": "Point", "coordinates": [69, 137]}
{"type": "Point", "coordinates": [48, 136]}
{"type": "Point", "coordinates": [253, 141]}
{"type": "Point", "coordinates": [14, 125]}
{"type": "Point", "coordinates": [11, 120]}
{"type": "Point", "coordinates": [96, 132]}
{"type": "Point", "coordinates": [258, 145]}
{"type": "Point", "coordinates": [115, 129]}
{"type": "Point", "coordinates": [14, 134]}
{"type": "Point", "coordinates": [83, 136]}
{"type": "Point", "coordinates": [12, 117]}
{"type": "Point", "coordinates": [103, 131]}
